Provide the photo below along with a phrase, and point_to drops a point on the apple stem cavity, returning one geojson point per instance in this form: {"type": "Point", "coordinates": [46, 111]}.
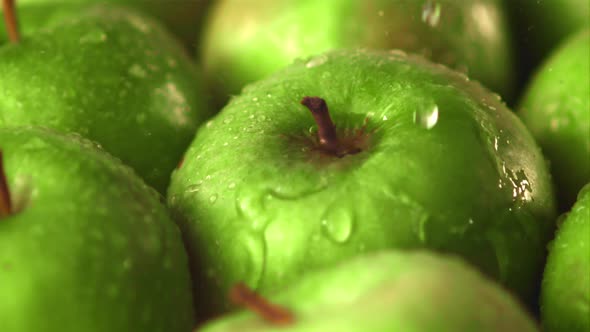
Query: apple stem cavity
{"type": "Point", "coordinates": [326, 130]}
{"type": "Point", "coordinates": [242, 295]}
{"type": "Point", "coordinates": [11, 20]}
{"type": "Point", "coordinates": [5, 203]}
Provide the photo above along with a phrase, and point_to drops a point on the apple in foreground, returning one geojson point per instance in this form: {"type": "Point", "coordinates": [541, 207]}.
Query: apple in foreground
{"type": "Point", "coordinates": [85, 245]}
{"type": "Point", "coordinates": [565, 296]}
{"type": "Point", "coordinates": [112, 75]}
{"type": "Point", "coordinates": [424, 159]}
{"type": "Point", "coordinates": [556, 109]}
{"type": "Point", "coordinates": [183, 17]}
{"type": "Point", "coordinates": [385, 291]}
{"type": "Point", "coordinates": [247, 40]}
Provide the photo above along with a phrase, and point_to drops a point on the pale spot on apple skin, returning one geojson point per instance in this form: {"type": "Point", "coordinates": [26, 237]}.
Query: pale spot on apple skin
{"type": "Point", "coordinates": [137, 71]}
{"type": "Point", "coordinates": [94, 37]}
{"type": "Point", "coordinates": [317, 61]}
{"type": "Point", "coordinates": [178, 104]}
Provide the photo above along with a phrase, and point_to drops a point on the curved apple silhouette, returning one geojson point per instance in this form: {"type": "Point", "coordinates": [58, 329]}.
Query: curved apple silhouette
{"type": "Point", "coordinates": [565, 296]}
{"type": "Point", "coordinates": [247, 40]}
{"type": "Point", "coordinates": [183, 17]}
{"type": "Point", "coordinates": [556, 109]}
{"type": "Point", "coordinates": [539, 26]}
{"type": "Point", "coordinates": [87, 246]}
{"type": "Point", "coordinates": [113, 76]}
{"type": "Point", "coordinates": [434, 161]}
{"type": "Point", "coordinates": [391, 291]}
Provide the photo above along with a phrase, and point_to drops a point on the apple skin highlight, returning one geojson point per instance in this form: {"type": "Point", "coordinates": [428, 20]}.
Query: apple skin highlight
{"type": "Point", "coordinates": [447, 166]}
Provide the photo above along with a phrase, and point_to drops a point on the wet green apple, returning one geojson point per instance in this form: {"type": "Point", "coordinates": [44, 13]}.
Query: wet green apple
{"type": "Point", "coordinates": [565, 296]}
{"type": "Point", "coordinates": [85, 245]}
{"type": "Point", "coordinates": [247, 40]}
{"type": "Point", "coordinates": [556, 109]}
{"type": "Point", "coordinates": [182, 17]}
{"type": "Point", "coordinates": [113, 76]}
{"type": "Point", "coordinates": [424, 158]}
{"type": "Point", "coordinates": [390, 291]}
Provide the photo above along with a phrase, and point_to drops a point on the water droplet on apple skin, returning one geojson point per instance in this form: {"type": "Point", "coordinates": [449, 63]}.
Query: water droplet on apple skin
{"type": "Point", "coordinates": [427, 117]}
{"type": "Point", "coordinates": [337, 224]}
{"type": "Point", "coordinates": [213, 198]}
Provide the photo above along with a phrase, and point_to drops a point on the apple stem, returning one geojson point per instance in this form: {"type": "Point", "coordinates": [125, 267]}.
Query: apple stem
{"type": "Point", "coordinates": [11, 20]}
{"type": "Point", "coordinates": [326, 129]}
{"type": "Point", "coordinates": [241, 295]}
{"type": "Point", "coordinates": [5, 204]}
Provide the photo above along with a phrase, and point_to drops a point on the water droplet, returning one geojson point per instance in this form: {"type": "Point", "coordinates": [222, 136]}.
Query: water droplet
{"type": "Point", "coordinates": [228, 119]}
{"type": "Point", "coordinates": [192, 189]}
{"type": "Point", "coordinates": [317, 61]}
{"type": "Point", "coordinates": [519, 184]}
{"type": "Point", "coordinates": [231, 185]}
{"type": "Point", "coordinates": [381, 13]}
{"type": "Point", "coordinates": [337, 224]}
{"type": "Point", "coordinates": [420, 227]}
{"type": "Point", "coordinates": [431, 11]}
{"type": "Point", "coordinates": [427, 117]}
{"type": "Point", "coordinates": [250, 257]}
{"type": "Point", "coordinates": [213, 198]}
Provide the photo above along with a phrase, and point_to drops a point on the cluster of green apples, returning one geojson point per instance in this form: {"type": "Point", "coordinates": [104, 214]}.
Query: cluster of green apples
{"type": "Point", "coordinates": [334, 165]}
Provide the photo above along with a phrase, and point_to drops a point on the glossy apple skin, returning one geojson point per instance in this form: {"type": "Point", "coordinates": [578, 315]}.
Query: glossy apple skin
{"type": "Point", "coordinates": [113, 76]}
{"type": "Point", "coordinates": [556, 109]}
{"type": "Point", "coordinates": [182, 17]}
{"type": "Point", "coordinates": [247, 40]}
{"type": "Point", "coordinates": [565, 296]}
{"type": "Point", "coordinates": [257, 205]}
{"type": "Point", "coordinates": [93, 250]}
{"type": "Point", "coordinates": [391, 291]}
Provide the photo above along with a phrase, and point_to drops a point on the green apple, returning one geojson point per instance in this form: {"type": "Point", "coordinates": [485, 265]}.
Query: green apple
{"type": "Point", "coordinates": [565, 296]}
{"type": "Point", "coordinates": [428, 159]}
{"type": "Point", "coordinates": [391, 291]}
{"type": "Point", "coordinates": [87, 245]}
{"type": "Point", "coordinates": [539, 26]}
{"type": "Point", "coordinates": [183, 17]}
{"type": "Point", "coordinates": [113, 76]}
{"type": "Point", "coordinates": [245, 40]}
{"type": "Point", "coordinates": [556, 109]}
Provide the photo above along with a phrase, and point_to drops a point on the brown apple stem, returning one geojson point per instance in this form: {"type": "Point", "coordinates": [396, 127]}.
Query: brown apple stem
{"type": "Point", "coordinates": [241, 295]}
{"type": "Point", "coordinates": [326, 129]}
{"type": "Point", "coordinates": [5, 203]}
{"type": "Point", "coordinates": [11, 20]}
